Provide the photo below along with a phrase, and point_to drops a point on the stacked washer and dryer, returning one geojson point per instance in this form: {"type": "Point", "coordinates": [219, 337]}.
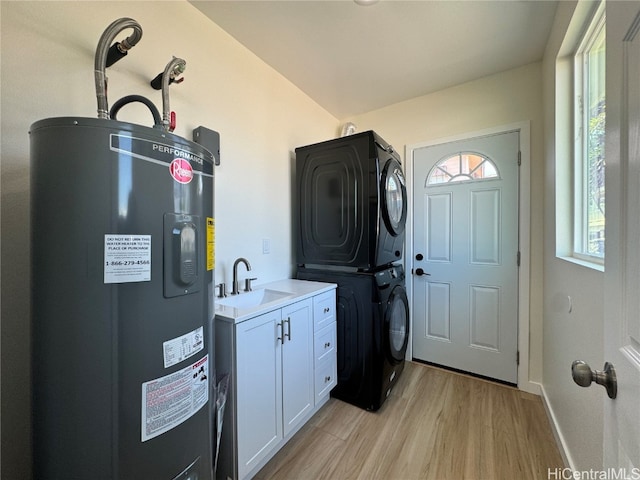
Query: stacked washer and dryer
{"type": "Point", "coordinates": [351, 213]}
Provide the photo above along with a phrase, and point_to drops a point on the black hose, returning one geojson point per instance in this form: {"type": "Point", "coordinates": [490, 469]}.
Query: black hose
{"type": "Point", "coordinates": [157, 121]}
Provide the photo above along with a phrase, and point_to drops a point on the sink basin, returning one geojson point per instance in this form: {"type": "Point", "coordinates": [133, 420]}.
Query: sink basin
{"type": "Point", "coordinates": [252, 299]}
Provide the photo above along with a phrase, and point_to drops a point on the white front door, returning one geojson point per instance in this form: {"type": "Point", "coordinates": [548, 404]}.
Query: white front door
{"type": "Point", "coordinates": [465, 248]}
{"type": "Point", "coordinates": [622, 267]}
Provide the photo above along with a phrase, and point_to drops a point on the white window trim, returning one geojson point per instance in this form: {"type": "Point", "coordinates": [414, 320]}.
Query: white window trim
{"type": "Point", "coordinates": [565, 144]}
{"type": "Point", "coordinates": [580, 220]}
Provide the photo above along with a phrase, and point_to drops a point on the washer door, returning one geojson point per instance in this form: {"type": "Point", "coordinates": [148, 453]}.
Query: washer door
{"type": "Point", "coordinates": [396, 325]}
{"type": "Point", "coordinates": [394, 197]}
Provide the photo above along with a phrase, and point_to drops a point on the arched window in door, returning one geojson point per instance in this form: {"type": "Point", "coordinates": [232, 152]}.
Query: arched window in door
{"type": "Point", "coordinates": [462, 167]}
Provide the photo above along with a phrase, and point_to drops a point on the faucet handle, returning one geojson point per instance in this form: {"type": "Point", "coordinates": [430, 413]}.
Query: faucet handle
{"type": "Point", "coordinates": [247, 283]}
{"type": "Point", "coordinates": [222, 292]}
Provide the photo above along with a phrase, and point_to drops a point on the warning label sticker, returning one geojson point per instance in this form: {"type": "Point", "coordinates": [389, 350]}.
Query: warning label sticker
{"type": "Point", "coordinates": [211, 242]}
{"type": "Point", "coordinates": [181, 348]}
{"type": "Point", "coordinates": [170, 400]}
{"type": "Point", "coordinates": [127, 258]}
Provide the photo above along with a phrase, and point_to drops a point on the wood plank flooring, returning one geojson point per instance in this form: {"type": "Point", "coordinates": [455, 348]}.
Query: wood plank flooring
{"type": "Point", "coordinates": [435, 425]}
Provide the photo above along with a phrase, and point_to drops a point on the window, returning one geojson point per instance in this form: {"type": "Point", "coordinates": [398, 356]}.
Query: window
{"type": "Point", "coordinates": [589, 123]}
{"type": "Point", "coordinates": [462, 167]}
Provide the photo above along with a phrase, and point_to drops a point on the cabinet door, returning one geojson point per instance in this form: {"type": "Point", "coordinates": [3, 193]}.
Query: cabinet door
{"type": "Point", "coordinates": [297, 363]}
{"type": "Point", "coordinates": [259, 396]}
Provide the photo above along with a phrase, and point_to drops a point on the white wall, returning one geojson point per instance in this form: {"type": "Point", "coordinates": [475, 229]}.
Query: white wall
{"type": "Point", "coordinates": [47, 71]}
{"type": "Point", "coordinates": [576, 335]}
{"type": "Point", "coordinates": [503, 99]}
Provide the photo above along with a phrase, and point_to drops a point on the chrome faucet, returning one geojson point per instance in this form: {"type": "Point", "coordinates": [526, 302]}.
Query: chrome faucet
{"type": "Point", "coordinates": [235, 290]}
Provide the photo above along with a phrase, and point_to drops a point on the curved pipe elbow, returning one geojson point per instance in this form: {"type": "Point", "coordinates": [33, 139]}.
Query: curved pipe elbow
{"type": "Point", "coordinates": [133, 39]}
{"type": "Point", "coordinates": [173, 69]}
{"type": "Point", "coordinates": [102, 53]}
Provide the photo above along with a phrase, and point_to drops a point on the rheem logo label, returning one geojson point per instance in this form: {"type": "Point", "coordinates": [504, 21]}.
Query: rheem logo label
{"type": "Point", "coordinates": [181, 170]}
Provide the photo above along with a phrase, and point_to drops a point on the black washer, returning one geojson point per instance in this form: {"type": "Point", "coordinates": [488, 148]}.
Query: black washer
{"type": "Point", "coordinates": [372, 332]}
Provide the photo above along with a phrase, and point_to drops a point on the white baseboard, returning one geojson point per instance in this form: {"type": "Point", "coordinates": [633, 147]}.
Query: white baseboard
{"type": "Point", "coordinates": [530, 387]}
{"type": "Point", "coordinates": [560, 442]}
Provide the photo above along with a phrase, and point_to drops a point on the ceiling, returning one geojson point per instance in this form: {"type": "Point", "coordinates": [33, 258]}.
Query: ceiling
{"type": "Point", "coordinates": [353, 59]}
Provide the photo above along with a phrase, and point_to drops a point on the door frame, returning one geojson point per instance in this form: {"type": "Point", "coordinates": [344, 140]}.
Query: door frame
{"type": "Point", "coordinates": [524, 237]}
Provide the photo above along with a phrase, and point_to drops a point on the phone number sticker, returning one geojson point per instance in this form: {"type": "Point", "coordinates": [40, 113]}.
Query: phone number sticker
{"type": "Point", "coordinates": [127, 258]}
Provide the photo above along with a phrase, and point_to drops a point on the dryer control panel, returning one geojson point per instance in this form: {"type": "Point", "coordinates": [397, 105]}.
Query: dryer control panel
{"type": "Point", "coordinates": [384, 278]}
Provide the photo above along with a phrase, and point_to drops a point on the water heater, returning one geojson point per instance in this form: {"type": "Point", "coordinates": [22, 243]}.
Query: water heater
{"type": "Point", "coordinates": [122, 311]}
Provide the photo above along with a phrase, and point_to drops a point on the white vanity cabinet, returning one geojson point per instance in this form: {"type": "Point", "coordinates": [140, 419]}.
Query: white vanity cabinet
{"type": "Point", "coordinates": [297, 364]}
{"type": "Point", "coordinates": [278, 365]}
{"type": "Point", "coordinates": [273, 381]}
{"type": "Point", "coordinates": [324, 344]}
{"type": "Point", "coordinates": [255, 387]}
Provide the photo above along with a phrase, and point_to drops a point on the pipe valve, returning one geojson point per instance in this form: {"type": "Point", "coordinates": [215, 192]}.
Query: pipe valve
{"type": "Point", "coordinates": [175, 72]}
{"type": "Point", "coordinates": [173, 69]}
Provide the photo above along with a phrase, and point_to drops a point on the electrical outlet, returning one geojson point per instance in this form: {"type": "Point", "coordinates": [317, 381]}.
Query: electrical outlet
{"type": "Point", "coordinates": [266, 246]}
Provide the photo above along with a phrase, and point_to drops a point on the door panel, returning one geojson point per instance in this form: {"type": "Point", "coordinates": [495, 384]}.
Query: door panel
{"type": "Point", "coordinates": [438, 319]}
{"type": "Point", "coordinates": [485, 323]}
{"type": "Point", "coordinates": [259, 370]}
{"type": "Point", "coordinates": [622, 273]}
{"type": "Point", "coordinates": [485, 227]}
{"type": "Point", "coordinates": [466, 226]}
{"type": "Point", "coordinates": [297, 363]}
{"type": "Point", "coordinates": [438, 227]}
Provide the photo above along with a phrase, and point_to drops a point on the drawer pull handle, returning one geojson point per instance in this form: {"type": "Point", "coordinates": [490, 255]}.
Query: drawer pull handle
{"type": "Point", "coordinates": [327, 344]}
{"type": "Point", "coordinates": [327, 310]}
{"type": "Point", "coordinates": [288, 334]}
{"type": "Point", "coordinates": [327, 379]}
{"type": "Point", "coordinates": [281, 337]}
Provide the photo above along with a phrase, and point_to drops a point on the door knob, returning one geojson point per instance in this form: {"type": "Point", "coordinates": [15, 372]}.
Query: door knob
{"type": "Point", "coordinates": [584, 376]}
{"type": "Point", "coordinates": [421, 272]}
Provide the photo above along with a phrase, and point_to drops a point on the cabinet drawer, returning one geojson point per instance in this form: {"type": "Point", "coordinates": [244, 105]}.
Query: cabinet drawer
{"type": "Point", "coordinates": [326, 377]}
{"type": "Point", "coordinates": [325, 343]}
{"type": "Point", "coordinates": [324, 309]}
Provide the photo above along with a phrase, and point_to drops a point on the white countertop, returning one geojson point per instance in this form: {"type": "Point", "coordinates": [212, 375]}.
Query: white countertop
{"type": "Point", "coordinates": [241, 307]}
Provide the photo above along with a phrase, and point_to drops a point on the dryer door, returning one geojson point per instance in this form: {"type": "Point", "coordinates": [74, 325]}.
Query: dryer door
{"type": "Point", "coordinates": [394, 197]}
{"type": "Point", "coordinates": [396, 325]}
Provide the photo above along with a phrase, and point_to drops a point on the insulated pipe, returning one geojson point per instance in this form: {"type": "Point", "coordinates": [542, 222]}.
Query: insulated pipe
{"type": "Point", "coordinates": [102, 52]}
{"type": "Point", "coordinates": [173, 69]}
{"type": "Point", "coordinates": [115, 108]}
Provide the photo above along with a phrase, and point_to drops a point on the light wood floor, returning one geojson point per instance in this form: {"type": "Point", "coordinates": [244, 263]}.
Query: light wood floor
{"type": "Point", "coordinates": [435, 425]}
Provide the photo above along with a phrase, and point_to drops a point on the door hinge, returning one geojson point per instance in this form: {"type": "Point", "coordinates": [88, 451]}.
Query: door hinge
{"type": "Point", "coordinates": [518, 357]}
{"type": "Point", "coordinates": [519, 158]}
{"type": "Point", "coordinates": [518, 259]}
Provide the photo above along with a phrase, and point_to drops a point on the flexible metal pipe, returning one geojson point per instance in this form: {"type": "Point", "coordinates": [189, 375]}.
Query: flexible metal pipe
{"type": "Point", "coordinates": [174, 68]}
{"type": "Point", "coordinates": [102, 52]}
